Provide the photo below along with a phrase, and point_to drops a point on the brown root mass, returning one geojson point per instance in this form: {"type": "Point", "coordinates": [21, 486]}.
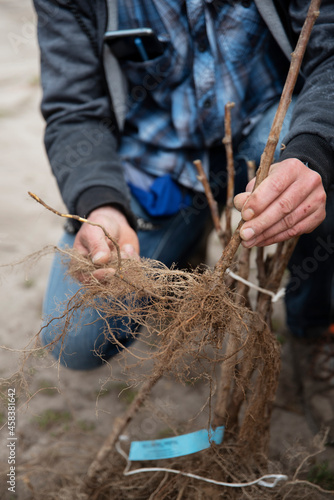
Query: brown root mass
{"type": "Point", "coordinates": [190, 317]}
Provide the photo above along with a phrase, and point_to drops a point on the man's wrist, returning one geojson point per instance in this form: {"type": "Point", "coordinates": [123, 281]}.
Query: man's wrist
{"type": "Point", "coordinates": [314, 151]}
{"type": "Point", "coordinates": [109, 211]}
{"type": "Point", "coordinates": [101, 196]}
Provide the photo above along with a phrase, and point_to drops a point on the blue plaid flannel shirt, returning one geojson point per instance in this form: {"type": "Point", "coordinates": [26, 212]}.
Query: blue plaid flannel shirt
{"type": "Point", "coordinates": [212, 55]}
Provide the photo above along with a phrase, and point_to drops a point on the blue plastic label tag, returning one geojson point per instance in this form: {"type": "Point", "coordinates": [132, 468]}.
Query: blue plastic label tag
{"type": "Point", "coordinates": [177, 446]}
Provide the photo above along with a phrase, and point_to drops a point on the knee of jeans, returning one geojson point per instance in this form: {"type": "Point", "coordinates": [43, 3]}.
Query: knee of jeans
{"type": "Point", "coordinates": [86, 346]}
{"type": "Point", "coordinates": [66, 353]}
{"type": "Point", "coordinates": [70, 348]}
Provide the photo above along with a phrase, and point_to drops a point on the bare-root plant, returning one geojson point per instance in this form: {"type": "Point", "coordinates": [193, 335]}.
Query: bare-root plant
{"type": "Point", "coordinates": [201, 318]}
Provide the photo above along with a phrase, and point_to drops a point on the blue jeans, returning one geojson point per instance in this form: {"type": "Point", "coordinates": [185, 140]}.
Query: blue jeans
{"type": "Point", "coordinates": [169, 239]}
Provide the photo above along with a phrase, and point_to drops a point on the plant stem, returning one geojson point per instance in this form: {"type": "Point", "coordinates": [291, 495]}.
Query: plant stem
{"type": "Point", "coordinates": [269, 150]}
{"type": "Point", "coordinates": [227, 141]}
{"type": "Point", "coordinates": [213, 205]}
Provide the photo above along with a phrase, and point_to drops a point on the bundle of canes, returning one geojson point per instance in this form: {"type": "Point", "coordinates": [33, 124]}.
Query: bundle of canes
{"type": "Point", "coordinates": [270, 273]}
{"type": "Point", "coordinates": [191, 310]}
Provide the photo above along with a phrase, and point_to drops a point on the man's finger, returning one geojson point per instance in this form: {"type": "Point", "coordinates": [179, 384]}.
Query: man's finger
{"type": "Point", "coordinates": [240, 199]}
{"type": "Point", "coordinates": [282, 176]}
{"type": "Point", "coordinates": [284, 231]}
{"type": "Point", "coordinates": [288, 209]}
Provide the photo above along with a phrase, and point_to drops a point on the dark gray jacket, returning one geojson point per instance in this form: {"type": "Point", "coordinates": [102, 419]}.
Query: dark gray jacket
{"type": "Point", "coordinates": [81, 129]}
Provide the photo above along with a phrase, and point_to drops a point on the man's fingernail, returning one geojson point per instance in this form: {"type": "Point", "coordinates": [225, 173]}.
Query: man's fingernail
{"type": "Point", "coordinates": [247, 234]}
{"type": "Point", "coordinates": [98, 257]}
{"type": "Point", "coordinates": [247, 214]}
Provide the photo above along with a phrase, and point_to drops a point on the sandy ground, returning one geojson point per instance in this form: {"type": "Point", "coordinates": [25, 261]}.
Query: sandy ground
{"type": "Point", "coordinates": [65, 409]}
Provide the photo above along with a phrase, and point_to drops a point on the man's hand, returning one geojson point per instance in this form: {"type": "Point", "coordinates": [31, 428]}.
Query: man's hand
{"type": "Point", "coordinates": [91, 240]}
{"type": "Point", "coordinates": [289, 202]}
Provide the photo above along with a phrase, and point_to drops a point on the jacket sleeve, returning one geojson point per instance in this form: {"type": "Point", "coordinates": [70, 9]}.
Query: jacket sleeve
{"type": "Point", "coordinates": [311, 137]}
{"type": "Point", "coordinates": [81, 131]}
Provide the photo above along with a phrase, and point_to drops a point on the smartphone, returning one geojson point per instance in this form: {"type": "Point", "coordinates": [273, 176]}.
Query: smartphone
{"type": "Point", "coordinates": [139, 44]}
